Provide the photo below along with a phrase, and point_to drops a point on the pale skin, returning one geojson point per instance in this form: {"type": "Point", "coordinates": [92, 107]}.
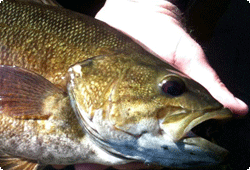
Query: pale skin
{"type": "Point", "coordinates": [155, 25]}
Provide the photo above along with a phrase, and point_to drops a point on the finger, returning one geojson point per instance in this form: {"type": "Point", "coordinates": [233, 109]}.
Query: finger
{"type": "Point", "coordinates": [191, 59]}
{"type": "Point", "coordinates": [210, 80]}
{"type": "Point", "coordinates": [89, 166]}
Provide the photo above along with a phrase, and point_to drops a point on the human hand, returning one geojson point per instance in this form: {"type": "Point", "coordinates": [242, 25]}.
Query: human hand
{"type": "Point", "coordinates": [156, 26]}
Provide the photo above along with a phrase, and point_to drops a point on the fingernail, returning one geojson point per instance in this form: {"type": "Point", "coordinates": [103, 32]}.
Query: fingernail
{"type": "Point", "coordinates": [243, 108]}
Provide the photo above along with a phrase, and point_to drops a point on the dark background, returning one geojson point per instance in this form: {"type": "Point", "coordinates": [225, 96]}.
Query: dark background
{"type": "Point", "coordinates": [222, 28]}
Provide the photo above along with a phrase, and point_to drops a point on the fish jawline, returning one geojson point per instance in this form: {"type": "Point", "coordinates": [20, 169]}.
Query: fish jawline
{"type": "Point", "coordinates": [207, 146]}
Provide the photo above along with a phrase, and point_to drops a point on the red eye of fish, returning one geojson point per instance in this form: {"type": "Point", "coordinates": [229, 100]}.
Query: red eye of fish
{"type": "Point", "coordinates": [173, 86]}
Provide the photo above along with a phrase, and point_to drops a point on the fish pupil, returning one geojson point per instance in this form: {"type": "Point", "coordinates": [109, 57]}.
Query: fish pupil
{"type": "Point", "coordinates": [173, 88]}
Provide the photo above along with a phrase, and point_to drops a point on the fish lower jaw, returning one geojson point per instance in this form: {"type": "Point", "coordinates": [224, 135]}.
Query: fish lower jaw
{"type": "Point", "coordinates": [204, 145]}
{"type": "Point", "coordinates": [219, 153]}
{"type": "Point", "coordinates": [190, 138]}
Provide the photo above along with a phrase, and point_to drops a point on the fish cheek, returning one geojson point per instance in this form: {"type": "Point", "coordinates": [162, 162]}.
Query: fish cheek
{"type": "Point", "coordinates": [91, 82]}
{"type": "Point", "coordinates": [134, 109]}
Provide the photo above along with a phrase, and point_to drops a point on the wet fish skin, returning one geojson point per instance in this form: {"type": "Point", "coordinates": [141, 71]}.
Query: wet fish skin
{"type": "Point", "coordinates": [44, 41]}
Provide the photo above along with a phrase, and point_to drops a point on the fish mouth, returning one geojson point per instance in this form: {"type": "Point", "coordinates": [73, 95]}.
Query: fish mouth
{"type": "Point", "coordinates": [202, 123]}
{"type": "Point", "coordinates": [204, 131]}
{"type": "Point", "coordinates": [180, 124]}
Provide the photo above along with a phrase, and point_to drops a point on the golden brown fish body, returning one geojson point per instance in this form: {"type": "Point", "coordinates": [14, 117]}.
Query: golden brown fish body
{"type": "Point", "coordinates": [124, 102]}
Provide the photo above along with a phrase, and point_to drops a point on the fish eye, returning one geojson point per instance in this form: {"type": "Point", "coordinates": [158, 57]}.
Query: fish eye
{"type": "Point", "coordinates": [172, 86]}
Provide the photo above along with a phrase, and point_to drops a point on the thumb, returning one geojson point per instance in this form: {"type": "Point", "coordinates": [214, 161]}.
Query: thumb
{"type": "Point", "coordinates": [191, 60]}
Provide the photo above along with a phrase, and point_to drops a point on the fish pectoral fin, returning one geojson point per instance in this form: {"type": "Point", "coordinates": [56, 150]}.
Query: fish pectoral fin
{"type": "Point", "coordinates": [7, 162]}
{"type": "Point", "coordinates": [27, 95]}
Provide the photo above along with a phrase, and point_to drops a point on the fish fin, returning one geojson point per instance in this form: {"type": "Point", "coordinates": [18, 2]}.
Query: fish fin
{"type": "Point", "coordinates": [26, 95]}
{"type": "Point", "coordinates": [7, 162]}
{"type": "Point", "coordinates": [46, 2]}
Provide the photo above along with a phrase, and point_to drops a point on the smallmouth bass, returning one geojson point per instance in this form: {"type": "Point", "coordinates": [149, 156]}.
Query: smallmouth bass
{"type": "Point", "coordinates": [74, 90]}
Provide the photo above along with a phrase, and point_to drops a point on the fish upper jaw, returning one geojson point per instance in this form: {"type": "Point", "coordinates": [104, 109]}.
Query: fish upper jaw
{"type": "Point", "coordinates": [178, 126]}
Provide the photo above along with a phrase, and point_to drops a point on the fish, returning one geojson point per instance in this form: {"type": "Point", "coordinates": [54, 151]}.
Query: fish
{"type": "Point", "coordinates": [75, 90]}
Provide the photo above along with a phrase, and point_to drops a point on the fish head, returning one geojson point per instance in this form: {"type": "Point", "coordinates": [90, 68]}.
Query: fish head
{"type": "Point", "coordinates": [144, 111]}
